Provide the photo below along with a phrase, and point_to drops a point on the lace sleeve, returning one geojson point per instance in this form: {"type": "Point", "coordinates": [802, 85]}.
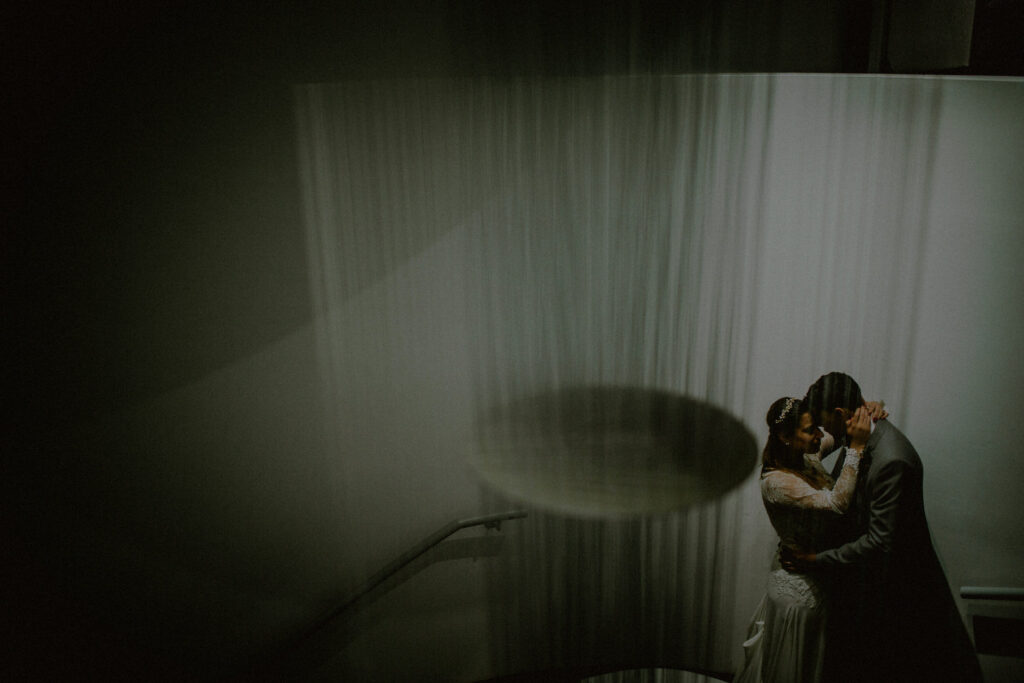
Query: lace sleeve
{"type": "Point", "coordinates": [786, 488]}
{"type": "Point", "coordinates": [814, 462]}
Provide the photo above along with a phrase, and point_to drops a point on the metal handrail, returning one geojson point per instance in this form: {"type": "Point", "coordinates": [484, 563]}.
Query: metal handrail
{"type": "Point", "coordinates": [324, 625]}
{"type": "Point", "coordinates": [488, 521]}
{"type": "Point", "coordinates": [991, 593]}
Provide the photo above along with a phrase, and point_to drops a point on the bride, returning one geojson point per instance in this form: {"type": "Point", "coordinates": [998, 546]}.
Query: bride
{"type": "Point", "coordinates": [786, 638]}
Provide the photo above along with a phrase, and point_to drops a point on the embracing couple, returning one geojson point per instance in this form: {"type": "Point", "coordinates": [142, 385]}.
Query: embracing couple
{"type": "Point", "coordinates": [856, 592]}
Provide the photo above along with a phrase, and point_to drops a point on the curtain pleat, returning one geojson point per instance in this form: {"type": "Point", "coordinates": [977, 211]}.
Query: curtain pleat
{"type": "Point", "coordinates": [723, 238]}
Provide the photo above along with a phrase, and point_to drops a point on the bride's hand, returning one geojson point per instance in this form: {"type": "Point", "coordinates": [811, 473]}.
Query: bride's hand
{"type": "Point", "coordinates": [858, 429]}
{"type": "Point", "coordinates": [877, 411]}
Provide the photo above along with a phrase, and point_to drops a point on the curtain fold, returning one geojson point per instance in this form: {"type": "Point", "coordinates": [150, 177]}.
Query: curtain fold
{"type": "Point", "coordinates": [721, 238]}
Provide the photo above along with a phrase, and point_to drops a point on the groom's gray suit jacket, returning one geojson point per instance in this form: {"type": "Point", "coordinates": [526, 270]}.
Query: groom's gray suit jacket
{"type": "Point", "coordinates": [888, 508]}
{"type": "Point", "coordinates": [887, 582]}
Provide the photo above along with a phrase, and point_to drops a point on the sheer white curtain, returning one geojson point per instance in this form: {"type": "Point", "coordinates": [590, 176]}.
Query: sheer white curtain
{"type": "Point", "coordinates": [722, 238]}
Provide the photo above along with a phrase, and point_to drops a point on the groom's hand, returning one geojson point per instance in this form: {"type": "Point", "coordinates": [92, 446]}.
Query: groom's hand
{"type": "Point", "coordinates": [796, 560]}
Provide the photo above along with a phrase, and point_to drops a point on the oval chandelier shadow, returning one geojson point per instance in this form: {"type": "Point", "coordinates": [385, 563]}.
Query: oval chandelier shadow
{"type": "Point", "coordinates": [612, 451]}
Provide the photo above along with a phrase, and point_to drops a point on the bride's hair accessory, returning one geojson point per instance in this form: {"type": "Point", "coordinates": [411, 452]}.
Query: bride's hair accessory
{"type": "Point", "coordinates": [791, 404]}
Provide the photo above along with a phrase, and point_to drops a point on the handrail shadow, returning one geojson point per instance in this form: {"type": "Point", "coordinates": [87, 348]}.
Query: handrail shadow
{"type": "Point", "coordinates": [330, 633]}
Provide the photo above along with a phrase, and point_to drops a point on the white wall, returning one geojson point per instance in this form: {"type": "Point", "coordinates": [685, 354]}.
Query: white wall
{"type": "Point", "coordinates": [968, 370]}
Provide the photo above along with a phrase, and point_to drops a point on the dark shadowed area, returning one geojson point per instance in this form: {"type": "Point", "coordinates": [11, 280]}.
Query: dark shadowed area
{"type": "Point", "coordinates": [606, 451]}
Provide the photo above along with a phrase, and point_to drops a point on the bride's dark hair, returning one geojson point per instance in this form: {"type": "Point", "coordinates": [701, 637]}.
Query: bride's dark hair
{"type": "Point", "coordinates": [783, 419]}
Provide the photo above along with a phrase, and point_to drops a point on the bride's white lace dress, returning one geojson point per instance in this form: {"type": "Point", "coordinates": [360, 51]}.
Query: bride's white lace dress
{"type": "Point", "coordinates": [786, 638]}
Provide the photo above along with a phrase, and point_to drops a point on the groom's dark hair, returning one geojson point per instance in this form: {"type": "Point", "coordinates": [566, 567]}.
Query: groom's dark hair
{"type": "Point", "coordinates": [831, 391]}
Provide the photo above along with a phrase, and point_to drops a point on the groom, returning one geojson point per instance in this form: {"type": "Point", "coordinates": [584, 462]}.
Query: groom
{"type": "Point", "coordinates": [891, 615]}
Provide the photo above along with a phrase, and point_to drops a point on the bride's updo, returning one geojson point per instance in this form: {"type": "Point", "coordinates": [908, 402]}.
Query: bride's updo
{"type": "Point", "coordinates": [783, 419]}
